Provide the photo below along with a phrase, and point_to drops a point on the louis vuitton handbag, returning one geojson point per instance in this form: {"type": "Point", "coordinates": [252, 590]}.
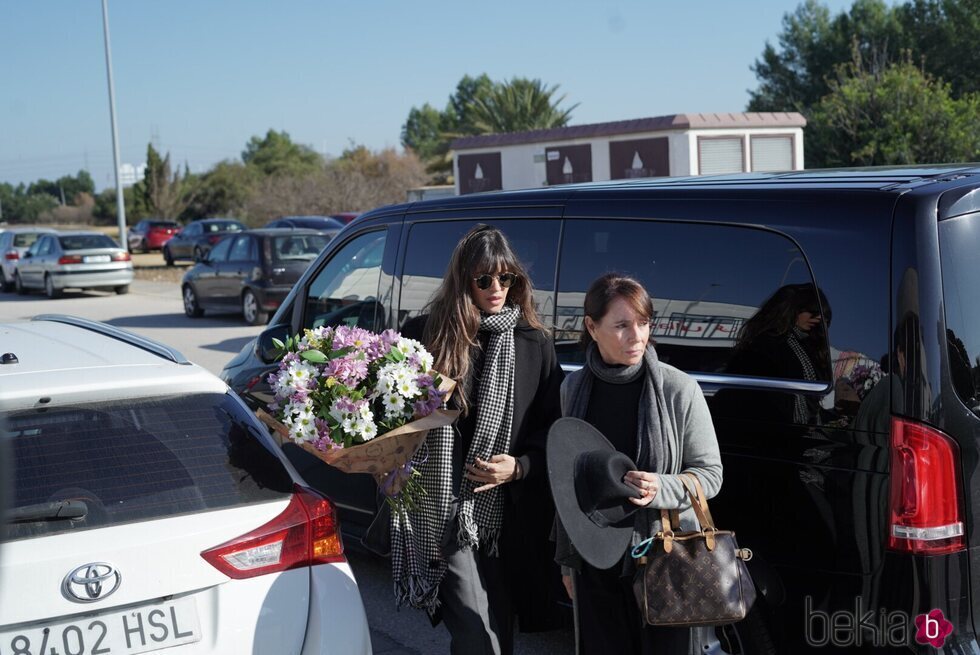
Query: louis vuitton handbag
{"type": "Point", "coordinates": [692, 578]}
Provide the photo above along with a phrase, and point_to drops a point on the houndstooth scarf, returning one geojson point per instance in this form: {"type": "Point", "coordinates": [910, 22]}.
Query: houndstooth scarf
{"type": "Point", "coordinates": [418, 564]}
{"type": "Point", "coordinates": [801, 413]}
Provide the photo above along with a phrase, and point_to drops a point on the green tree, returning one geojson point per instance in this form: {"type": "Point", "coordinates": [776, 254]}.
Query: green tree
{"type": "Point", "coordinates": [277, 154]}
{"type": "Point", "coordinates": [946, 34]}
{"type": "Point", "coordinates": [518, 105]}
{"type": "Point", "coordinates": [163, 192]}
{"type": "Point", "coordinates": [795, 75]}
{"type": "Point", "coordinates": [422, 132]}
{"type": "Point", "coordinates": [225, 190]}
{"type": "Point", "coordinates": [895, 115]}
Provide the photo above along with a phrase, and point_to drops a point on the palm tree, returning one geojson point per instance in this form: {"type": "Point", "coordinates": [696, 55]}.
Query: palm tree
{"type": "Point", "coordinates": [519, 105]}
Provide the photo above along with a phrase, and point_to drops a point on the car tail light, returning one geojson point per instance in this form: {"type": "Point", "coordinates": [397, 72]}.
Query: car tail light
{"type": "Point", "coordinates": [11, 255]}
{"type": "Point", "coordinates": [70, 259]}
{"type": "Point", "coordinates": [214, 238]}
{"type": "Point", "coordinates": [121, 257]}
{"type": "Point", "coordinates": [925, 504]}
{"type": "Point", "coordinates": [306, 533]}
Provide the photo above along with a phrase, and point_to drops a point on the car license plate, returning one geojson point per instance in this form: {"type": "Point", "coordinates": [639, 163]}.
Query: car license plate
{"type": "Point", "coordinates": [96, 259]}
{"type": "Point", "coordinates": [136, 630]}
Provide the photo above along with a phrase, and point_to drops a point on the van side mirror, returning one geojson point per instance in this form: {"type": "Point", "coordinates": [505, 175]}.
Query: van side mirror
{"type": "Point", "coordinates": [265, 349]}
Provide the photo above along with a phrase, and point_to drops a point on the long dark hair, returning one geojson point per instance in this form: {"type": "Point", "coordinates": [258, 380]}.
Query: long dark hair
{"type": "Point", "coordinates": [454, 319]}
{"type": "Point", "coordinates": [777, 316]}
{"type": "Point", "coordinates": [604, 290]}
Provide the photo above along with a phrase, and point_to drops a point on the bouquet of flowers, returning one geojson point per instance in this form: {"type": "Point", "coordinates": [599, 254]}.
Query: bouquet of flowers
{"type": "Point", "coordinates": [361, 402]}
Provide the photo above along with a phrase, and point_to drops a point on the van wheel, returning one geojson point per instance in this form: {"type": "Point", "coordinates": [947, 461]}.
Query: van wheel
{"type": "Point", "coordinates": [5, 284]}
{"type": "Point", "coordinates": [18, 285]}
{"type": "Point", "coordinates": [191, 308]}
{"type": "Point", "coordinates": [49, 289]}
{"type": "Point", "coordinates": [251, 310]}
{"type": "Point", "coordinates": [167, 257]}
{"type": "Point", "coordinates": [750, 636]}
{"type": "Point", "coordinates": [122, 289]}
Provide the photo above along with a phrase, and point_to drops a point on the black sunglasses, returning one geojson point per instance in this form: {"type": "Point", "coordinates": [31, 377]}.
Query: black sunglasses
{"type": "Point", "coordinates": [484, 281]}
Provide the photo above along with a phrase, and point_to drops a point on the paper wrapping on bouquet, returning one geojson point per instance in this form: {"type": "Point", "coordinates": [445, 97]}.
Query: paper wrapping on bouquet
{"type": "Point", "coordinates": [380, 455]}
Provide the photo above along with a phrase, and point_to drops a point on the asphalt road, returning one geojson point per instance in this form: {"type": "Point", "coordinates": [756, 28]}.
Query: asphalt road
{"type": "Point", "coordinates": [155, 310]}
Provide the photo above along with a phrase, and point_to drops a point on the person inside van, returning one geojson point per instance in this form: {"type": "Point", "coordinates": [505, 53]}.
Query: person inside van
{"type": "Point", "coordinates": [477, 553]}
{"type": "Point", "coordinates": [787, 338]}
{"type": "Point", "coordinates": [656, 415]}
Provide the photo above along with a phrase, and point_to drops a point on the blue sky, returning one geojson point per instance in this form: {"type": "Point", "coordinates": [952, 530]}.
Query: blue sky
{"type": "Point", "coordinates": [200, 77]}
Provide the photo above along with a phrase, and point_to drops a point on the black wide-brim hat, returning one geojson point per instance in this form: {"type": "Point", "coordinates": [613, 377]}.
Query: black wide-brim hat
{"type": "Point", "coordinates": [586, 476]}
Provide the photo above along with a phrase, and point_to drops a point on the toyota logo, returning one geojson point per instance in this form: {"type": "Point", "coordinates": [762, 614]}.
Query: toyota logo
{"type": "Point", "coordinates": [91, 582]}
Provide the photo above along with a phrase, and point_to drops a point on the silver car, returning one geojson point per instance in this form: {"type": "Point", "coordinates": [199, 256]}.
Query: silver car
{"type": "Point", "coordinates": [14, 242]}
{"type": "Point", "coordinates": [76, 260]}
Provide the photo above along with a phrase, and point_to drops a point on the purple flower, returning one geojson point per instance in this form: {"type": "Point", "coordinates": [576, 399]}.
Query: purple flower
{"type": "Point", "coordinates": [349, 371]}
{"type": "Point", "coordinates": [424, 381]}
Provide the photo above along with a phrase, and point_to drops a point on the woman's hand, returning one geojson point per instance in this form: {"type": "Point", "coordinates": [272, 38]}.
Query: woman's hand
{"type": "Point", "coordinates": [498, 470]}
{"type": "Point", "coordinates": [646, 483]}
{"type": "Point", "coordinates": [569, 586]}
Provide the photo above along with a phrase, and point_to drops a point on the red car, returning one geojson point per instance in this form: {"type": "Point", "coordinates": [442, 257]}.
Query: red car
{"type": "Point", "coordinates": [151, 235]}
{"type": "Point", "coordinates": [345, 217]}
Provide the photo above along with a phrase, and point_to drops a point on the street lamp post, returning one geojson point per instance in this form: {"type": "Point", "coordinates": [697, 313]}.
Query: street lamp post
{"type": "Point", "coordinates": [120, 200]}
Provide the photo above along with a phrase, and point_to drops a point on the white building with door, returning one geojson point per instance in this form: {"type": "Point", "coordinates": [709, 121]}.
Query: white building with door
{"type": "Point", "coordinates": [677, 145]}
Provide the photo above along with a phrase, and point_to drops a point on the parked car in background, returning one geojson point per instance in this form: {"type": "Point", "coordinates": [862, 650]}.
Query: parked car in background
{"type": "Point", "coordinates": [251, 272]}
{"type": "Point", "coordinates": [151, 510]}
{"type": "Point", "coordinates": [151, 234]}
{"type": "Point", "coordinates": [850, 443]}
{"type": "Point", "coordinates": [74, 260]}
{"type": "Point", "coordinates": [14, 242]}
{"type": "Point", "coordinates": [326, 224]}
{"type": "Point", "coordinates": [198, 238]}
{"type": "Point", "coordinates": [345, 217]}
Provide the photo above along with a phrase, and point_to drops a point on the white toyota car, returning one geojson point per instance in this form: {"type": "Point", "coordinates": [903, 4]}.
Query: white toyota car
{"type": "Point", "coordinates": [151, 511]}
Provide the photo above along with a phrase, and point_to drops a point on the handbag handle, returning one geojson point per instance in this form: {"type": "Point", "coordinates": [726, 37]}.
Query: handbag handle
{"type": "Point", "coordinates": [699, 503]}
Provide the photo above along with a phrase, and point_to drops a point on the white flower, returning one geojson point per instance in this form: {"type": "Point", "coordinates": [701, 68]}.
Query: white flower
{"type": "Point", "coordinates": [299, 374]}
{"type": "Point", "coordinates": [368, 430]}
{"type": "Point", "coordinates": [393, 404]}
{"type": "Point", "coordinates": [408, 388]}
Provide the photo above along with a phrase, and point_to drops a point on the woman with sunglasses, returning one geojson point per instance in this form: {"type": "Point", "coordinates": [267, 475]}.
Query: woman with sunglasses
{"type": "Point", "coordinates": [476, 551]}
{"type": "Point", "coordinates": [786, 338]}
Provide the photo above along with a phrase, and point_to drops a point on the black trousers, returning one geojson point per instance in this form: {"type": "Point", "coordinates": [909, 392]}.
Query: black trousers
{"type": "Point", "coordinates": [610, 622]}
{"type": "Point", "coordinates": [476, 604]}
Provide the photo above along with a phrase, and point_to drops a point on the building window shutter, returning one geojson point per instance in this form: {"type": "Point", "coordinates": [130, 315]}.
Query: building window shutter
{"type": "Point", "coordinates": [772, 153]}
{"type": "Point", "coordinates": [720, 156]}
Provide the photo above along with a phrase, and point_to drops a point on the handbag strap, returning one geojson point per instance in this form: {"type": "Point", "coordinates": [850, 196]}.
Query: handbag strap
{"type": "Point", "coordinates": [698, 500]}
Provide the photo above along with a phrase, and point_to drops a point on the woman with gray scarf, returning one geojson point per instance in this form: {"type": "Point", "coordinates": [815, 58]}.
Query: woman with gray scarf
{"type": "Point", "coordinates": [474, 553]}
{"type": "Point", "coordinates": [655, 414]}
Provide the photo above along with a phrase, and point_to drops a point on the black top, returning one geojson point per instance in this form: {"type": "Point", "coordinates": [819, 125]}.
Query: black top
{"type": "Point", "coordinates": [614, 411]}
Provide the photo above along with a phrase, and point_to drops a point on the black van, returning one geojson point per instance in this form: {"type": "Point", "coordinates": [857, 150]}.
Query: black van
{"type": "Point", "coordinates": [855, 484]}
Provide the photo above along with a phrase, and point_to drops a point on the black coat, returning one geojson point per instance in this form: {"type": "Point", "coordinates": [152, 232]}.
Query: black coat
{"type": "Point", "coordinates": [528, 509]}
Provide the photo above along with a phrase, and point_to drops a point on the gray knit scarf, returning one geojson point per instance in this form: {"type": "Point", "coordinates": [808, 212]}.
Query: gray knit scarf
{"type": "Point", "coordinates": [657, 448]}
{"type": "Point", "coordinates": [795, 338]}
{"type": "Point", "coordinates": [417, 560]}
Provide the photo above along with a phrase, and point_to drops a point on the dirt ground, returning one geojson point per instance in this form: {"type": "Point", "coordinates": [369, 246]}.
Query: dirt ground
{"type": "Point", "coordinates": [151, 267]}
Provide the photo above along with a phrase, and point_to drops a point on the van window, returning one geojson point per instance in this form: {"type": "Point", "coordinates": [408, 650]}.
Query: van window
{"type": "Point", "coordinates": [710, 286]}
{"type": "Point", "coordinates": [430, 245]}
{"type": "Point", "coordinates": [959, 243]}
{"type": "Point", "coordinates": [345, 291]}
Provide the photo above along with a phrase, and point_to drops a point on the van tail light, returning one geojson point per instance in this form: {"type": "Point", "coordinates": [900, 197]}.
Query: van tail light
{"type": "Point", "coordinates": [926, 516]}
{"type": "Point", "coordinates": [121, 257]}
{"type": "Point", "coordinates": [306, 533]}
{"type": "Point", "coordinates": [70, 259]}
{"type": "Point", "coordinates": [11, 255]}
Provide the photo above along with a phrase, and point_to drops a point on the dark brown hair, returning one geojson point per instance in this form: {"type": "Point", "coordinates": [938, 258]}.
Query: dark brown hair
{"type": "Point", "coordinates": [608, 288]}
{"type": "Point", "coordinates": [454, 319]}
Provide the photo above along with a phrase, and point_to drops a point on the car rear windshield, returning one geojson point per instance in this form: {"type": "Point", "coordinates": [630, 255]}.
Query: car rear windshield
{"type": "Point", "coordinates": [304, 246]}
{"type": "Point", "coordinates": [959, 242]}
{"type": "Point", "coordinates": [222, 227]}
{"type": "Point", "coordinates": [25, 239]}
{"type": "Point", "coordinates": [140, 460]}
{"type": "Point", "coordinates": [86, 241]}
